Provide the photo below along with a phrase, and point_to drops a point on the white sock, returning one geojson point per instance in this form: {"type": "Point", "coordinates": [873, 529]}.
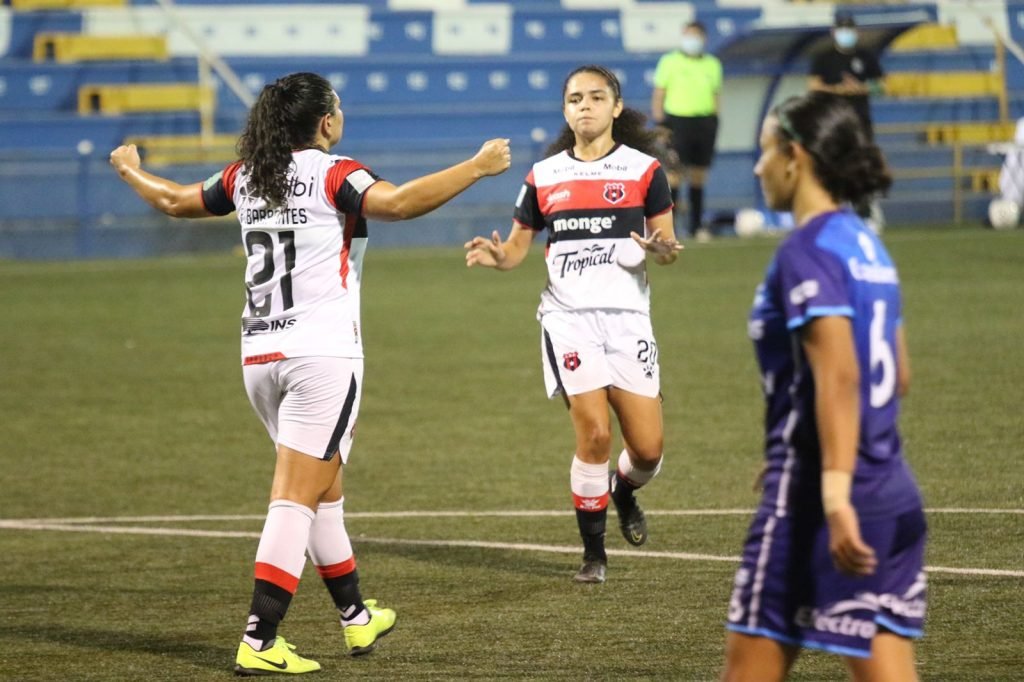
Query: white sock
{"type": "Point", "coordinates": [636, 477]}
{"type": "Point", "coordinates": [284, 539]}
{"type": "Point", "coordinates": [589, 484]}
{"type": "Point", "coordinates": [329, 545]}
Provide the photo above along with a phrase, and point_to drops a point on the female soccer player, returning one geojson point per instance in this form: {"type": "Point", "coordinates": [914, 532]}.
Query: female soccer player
{"type": "Point", "coordinates": [605, 202]}
{"type": "Point", "coordinates": [303, 214]}
{"type": "Point", "coordinates": [834, 557]}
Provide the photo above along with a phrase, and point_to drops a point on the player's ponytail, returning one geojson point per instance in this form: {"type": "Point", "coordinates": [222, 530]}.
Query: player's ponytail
{"type": "Point", "coordinates": [284, 118]}
{"type": "Point", "coordinates": [630, 128]}
{"type": "Point", "coordinates": [849, 166]}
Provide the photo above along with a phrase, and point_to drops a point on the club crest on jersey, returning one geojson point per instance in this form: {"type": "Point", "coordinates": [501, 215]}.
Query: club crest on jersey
{"type": "Point", "coordinates": [571, 361]}
{"type": "Point", "coordinates": [614, 192]}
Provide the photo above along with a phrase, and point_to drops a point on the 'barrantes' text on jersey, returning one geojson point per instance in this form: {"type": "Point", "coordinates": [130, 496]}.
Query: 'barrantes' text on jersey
{"type": "Point", "coordinates": [589, 208]}
{"type": "Point", "coordinates": [833, 266]}
{"type": "Point", "coordinates": [305, 259]}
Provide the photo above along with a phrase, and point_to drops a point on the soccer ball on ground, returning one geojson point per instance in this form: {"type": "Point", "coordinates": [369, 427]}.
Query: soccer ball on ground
{"type": "Point", "coordinates": [749, 222]}
{"type": "Point", "coordinates": [1003, 214]}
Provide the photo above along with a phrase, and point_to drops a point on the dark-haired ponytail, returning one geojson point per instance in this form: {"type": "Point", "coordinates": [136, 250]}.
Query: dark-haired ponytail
{"type": "Point", "coordinates": [265, 147]}
{"type": "Point", "coordinates": [847, 163]}
{"type": "Point", "coordinates": [283, 119]}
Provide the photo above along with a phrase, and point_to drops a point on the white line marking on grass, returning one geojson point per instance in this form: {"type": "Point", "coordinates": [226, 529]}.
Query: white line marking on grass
{"type": "Point", "coordinates": [955, 510]}
{"type": "Point", "coordinates": [127, 530]}
{"type": "Point", "coordinates": [975, 571]}
{"type": "Point", "coordinates": [550, 549]}
{"type": "Point", "coordinates": [517, 513]}
{"type": "Point", "coordinates": [468, 544]}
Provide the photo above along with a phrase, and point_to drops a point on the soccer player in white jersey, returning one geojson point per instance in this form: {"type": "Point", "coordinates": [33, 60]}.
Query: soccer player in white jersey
{"type": "Point", "coordinates": [606, 204]}
{"type": "Point", "coordinates": [303, 215]}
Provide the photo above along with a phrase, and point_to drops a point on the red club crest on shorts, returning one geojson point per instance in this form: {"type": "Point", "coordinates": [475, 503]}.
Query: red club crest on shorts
{"type": "Point", "coordinates": [571, 361]}
{"type": "Point", "coordinates": [614, 192]}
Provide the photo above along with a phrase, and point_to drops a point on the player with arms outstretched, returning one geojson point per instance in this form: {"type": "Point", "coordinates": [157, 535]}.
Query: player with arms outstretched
{"type": "Point", "coordinates": [303, 215]}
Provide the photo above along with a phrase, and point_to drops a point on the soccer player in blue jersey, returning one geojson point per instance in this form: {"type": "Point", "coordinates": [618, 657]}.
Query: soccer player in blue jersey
{"type": "Point", "coordinates": [834, 557]}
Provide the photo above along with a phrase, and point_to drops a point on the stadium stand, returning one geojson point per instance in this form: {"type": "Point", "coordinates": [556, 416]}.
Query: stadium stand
{"type": "Point", "coordinates": [74, 47]}
{"type": "Point", "coordinates": [436, 78]}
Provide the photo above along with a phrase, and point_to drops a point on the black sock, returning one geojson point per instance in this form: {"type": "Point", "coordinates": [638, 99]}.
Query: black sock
{"type": "Point", "coordinates": [269, 604]}
{"type": "Point", "coordinates": [592, 524]}
{"type": "Point", "coordinates": [696, 194]}
{"type": "Point", "coordinates": [622, 491]}
{"type": "Point", "coordinates": [344, 591]}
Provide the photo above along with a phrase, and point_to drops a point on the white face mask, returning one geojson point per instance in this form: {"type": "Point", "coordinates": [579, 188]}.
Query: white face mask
{"type": "Point", "coordinates": [691, 45]}
{"type": "Point", "coordinates": [846, 37]}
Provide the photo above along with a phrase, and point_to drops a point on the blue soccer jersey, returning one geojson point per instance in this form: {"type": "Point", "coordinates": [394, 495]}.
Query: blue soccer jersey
{"type": "Point", "coordinates": [833, 266]}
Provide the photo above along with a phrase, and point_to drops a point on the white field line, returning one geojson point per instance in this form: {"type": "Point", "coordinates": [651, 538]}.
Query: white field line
{"type": "Point", "coordinates": [519, 513]}
{"type": "Point", "coordinates": [472, 544]}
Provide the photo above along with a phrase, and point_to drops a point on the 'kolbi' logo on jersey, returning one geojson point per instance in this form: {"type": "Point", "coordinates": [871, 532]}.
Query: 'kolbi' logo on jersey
{"type": "Point", "coordinates": [614, 192]}
{"type": "Point", "coordinates": [571, 361]}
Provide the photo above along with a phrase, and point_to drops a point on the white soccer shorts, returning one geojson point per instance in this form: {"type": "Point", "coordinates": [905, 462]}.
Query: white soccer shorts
{"type": "Point", "coordinates": [308, 404]}
{"type": "Point", "coordinates": [592, 349]}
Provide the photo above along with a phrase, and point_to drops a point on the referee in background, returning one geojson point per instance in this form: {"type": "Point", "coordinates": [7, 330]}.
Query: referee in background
{"type": "Point", "coordinates": [853, 73]}
{"type": "Point", "coordinates": [685, 100]}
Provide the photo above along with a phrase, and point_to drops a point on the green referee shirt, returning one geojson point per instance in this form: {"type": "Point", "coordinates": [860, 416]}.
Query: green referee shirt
{"type": "Point", "coordinates": [690, 83]}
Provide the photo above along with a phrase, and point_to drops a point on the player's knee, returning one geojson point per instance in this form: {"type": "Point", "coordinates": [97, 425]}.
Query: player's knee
{"type": "Point", "coordinates": [597, 438]}
{"type": "Point", "coordinates": [646, 455]}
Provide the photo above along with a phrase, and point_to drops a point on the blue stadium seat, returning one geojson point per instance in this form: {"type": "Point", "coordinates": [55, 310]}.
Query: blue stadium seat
{"type": "Point", "coordinates": [54, 87]}
{"type": "Point", "coordinates": [405, 33]}
{"type": "Point", "coordinates": [578, 33]}
{"type": "Point", "coordinates": [25, 25]}
{"type": "Point", "coordinates": [63, 131]}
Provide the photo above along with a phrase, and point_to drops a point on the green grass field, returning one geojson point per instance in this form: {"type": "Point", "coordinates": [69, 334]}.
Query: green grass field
{"type": "Point", "coordinates": [122, 397]}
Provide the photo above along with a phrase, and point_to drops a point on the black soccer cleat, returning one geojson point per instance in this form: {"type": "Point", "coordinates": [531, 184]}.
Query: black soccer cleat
{"type": "Point", "coordinates": [592, 571]}
{"type": "Point", "coordinates": [632, 521]}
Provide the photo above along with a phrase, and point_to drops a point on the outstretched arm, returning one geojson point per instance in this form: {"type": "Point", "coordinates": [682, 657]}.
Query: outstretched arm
{"type": "Point", "coordinates": [493, 253]}
{"type": "Point", "coordinates": [166, 196]}
{"type": "Point", "coordinates": [665, 249]}
{"type": "Point", "coordinates": [384, 201]}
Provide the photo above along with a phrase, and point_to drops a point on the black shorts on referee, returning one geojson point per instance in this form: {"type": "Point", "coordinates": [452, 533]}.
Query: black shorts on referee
{"type": "Point", "coordinates": [693, 138]}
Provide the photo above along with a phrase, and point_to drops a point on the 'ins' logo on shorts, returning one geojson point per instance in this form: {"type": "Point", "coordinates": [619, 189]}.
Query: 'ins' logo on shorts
{"type": "Point", "coordinates": [571, 361]}
{"type": "Point", "coordinates": [614, 192]}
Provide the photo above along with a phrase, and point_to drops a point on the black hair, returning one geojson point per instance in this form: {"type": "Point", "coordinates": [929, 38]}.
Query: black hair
{"type": "Point", "coordinates": [284, 118]}
{"type": "Point", "coordinates": [630, 128]}
{"type": "Point", "coordinates": [699, 25]}
{"type": "Point", "coordinates": [847, 163]}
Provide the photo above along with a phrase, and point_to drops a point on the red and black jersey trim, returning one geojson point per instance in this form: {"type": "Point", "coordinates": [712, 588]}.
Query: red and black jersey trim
{"type": "Point", "coordinates": [659, 193]}
{"type": "Point", "coordinates": [218, 197]}
{"type": "Point", "coordinates": [341, 193]}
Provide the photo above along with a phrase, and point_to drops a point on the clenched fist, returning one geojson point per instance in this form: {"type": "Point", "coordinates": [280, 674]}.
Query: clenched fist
{"type": "Point", "coordinates": [494, 157]}
{"type": "Point", "coordinates": [125, 156]}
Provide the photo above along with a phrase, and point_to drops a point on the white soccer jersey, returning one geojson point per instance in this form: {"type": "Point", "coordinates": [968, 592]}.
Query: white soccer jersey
{"type": "Point", "coordinates": [305, 259]}
{"type": "Point", "coordinates": [589, 208]}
